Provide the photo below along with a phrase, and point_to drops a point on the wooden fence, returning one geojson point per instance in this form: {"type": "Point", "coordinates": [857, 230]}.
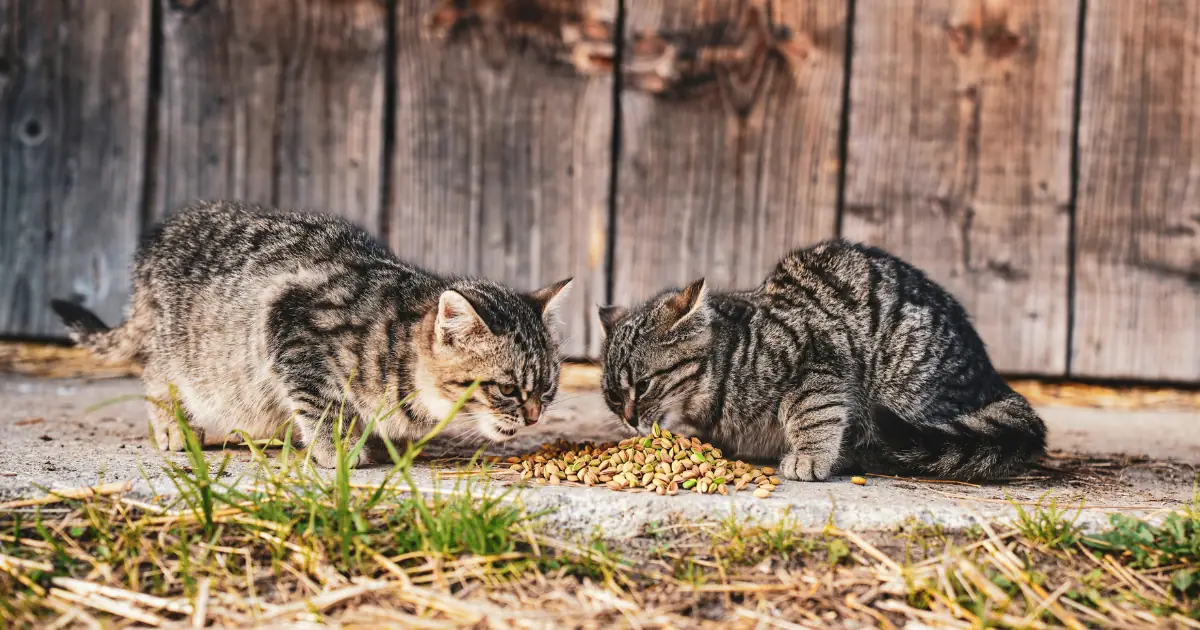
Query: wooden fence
{"type": "Point", "coordinates": [1041, 158]}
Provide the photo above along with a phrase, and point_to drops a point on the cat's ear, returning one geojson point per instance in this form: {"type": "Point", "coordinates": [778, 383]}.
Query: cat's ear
{"type": "Point", "coordinates": [610, 316]}
{"type": "Point", "coordinates": [456, 318]}
{"type": "Point", "coordinates": [549, 299]}
{"type": "Point", "coordinates": [688, 306]}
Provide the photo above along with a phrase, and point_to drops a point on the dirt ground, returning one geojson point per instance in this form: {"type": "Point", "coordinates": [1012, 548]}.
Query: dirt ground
{"type": "Point", "coordinates": [1103, 459]}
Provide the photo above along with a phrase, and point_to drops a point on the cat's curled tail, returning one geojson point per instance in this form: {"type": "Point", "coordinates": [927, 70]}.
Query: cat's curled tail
{"type": "Point", "coordinates": [111, 345]}
{"type": "Point", "coordinates": [1000, 440]}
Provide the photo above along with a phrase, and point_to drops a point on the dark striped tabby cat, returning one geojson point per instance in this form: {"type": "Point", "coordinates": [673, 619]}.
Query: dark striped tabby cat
{"type": "Point", "coordinates": [846, 357]}
{"type": "Point", "coordinates": [258, 317]}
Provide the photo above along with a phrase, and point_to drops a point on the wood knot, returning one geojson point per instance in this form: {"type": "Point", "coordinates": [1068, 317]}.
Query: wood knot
{"type": "Point", "coordinates": [984, 26]}
{"type": "Point", "coordinates": [31, 132]}
{"type": "Point", "coordinates": [659, 62]}
{"type": "Point", "coordinates": [559, 29]}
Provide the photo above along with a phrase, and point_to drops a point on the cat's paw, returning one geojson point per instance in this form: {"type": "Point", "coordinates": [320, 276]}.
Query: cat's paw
{"type": "Point", "coordinates": [326, 457]}
{"type": "Point", "coordinates": [799, 467]}
{"type": "Point", "coordinates": [170, 438]}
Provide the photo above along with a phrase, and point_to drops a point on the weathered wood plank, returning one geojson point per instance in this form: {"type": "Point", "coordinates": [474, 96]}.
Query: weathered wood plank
{"type": "Point", "coordinates": [729, 139]}
{"type": "Point", "coordinates": [959, 158]}
{"type": "Point", "coordinates": [73, 99]}
{"type": "Point", "coordinates": [273, 101]}
{"type": "Point", "coordinates": [1137, 293]}
{"type": "Point", "coordinates": [501, 161]}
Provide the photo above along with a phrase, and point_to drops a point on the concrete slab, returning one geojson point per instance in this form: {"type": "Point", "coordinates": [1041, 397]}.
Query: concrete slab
{"type": "Point", "coordinates": [1144, 463]}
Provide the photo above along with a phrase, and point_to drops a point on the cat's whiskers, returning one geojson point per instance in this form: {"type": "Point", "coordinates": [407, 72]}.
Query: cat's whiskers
{"type": "Point", "coordinates": [460, 440]}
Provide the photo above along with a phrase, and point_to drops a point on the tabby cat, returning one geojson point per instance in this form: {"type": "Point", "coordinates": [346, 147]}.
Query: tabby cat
{"type": "Point", "coordinates": [258, 316]}
{"type": "Point", "coordinates": [845, 357]}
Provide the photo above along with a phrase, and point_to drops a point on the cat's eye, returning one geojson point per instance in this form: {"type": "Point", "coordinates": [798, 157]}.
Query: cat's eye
{"type": "Point", "coordinates": [642, 387]}
{"type": "Point", "coordinates": [508, 390]}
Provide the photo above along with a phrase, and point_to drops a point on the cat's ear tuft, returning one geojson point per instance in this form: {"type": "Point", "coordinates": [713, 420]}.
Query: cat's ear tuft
{"type": "Point", "coordinates": [689, 305]}
{"type": "Point", "coordinates": [456, 318]}
{"type": "Point", "coordinates": [610, 316]}
{"type": "Point", "coordinates": [549, 299]}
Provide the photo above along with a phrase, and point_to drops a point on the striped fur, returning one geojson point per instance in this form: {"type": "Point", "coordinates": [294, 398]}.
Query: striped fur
{"type": "Point", "coordinates": [845, 357]}
{"type": "Point", "coordinates": [257, 316]}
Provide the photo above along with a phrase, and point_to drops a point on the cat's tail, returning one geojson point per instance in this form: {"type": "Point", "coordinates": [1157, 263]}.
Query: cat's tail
{"type": "Point", "coordinates": [1000, 440]}
{"type": "Point", "coordinates": [111, 345]}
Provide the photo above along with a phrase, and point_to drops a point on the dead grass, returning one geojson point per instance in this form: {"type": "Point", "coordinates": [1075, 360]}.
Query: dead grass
{"type": "Point", "coordinates": [109, 559]}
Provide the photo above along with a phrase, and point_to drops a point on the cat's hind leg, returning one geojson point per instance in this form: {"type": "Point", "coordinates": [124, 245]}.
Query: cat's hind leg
{"type": "Point", "coordinates": [162, 404]}
{"type": "Point", "coordinates": [815, 418]}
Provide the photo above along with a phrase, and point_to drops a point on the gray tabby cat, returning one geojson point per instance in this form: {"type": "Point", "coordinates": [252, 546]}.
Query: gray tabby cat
{"type": "Point", "coordinates": [845, 357]}
{"type": "Point", "coordinates": [258, 316]}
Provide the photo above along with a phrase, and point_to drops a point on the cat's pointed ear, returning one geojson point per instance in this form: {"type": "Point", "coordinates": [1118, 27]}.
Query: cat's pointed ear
{"type": "Point", "coordinates": [610, 316]}
{"type": "Point", "coordinates": [456, 318]}
{"type": "Point", "coordinates": [689, 305]}
{"type": "Point", "coordinates": [549, 299]}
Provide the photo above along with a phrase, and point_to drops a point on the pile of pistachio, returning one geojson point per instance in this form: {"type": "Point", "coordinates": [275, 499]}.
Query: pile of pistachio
{"type": "Point", "coordinates": [660, 462]}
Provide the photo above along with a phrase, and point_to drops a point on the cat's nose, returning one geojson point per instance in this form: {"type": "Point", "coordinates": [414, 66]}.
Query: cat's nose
{"type": "Point", "coordinates": [532, 412]}
{"type": "Point", "coordinates": [630, 414]}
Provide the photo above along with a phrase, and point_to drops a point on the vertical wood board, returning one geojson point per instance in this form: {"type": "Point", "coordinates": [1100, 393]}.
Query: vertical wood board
{"type": "Point", "coordinates": [73, 103]}
{"type": "Point", "coordinates": [502, 152]}
{"type": "Point", "coordinates": [959, 154]}
{"type": "Point", "coordinates": [273, 101]}
{"type": "Point", "coordinates": [1137, 290]}
{"type": "Point", "coordinates": [730, 119]}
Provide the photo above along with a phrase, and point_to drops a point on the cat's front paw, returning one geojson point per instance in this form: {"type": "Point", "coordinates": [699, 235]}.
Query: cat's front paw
{"type": "Point", "coordinates": [799, 467]}
{"type": "Point", "coordinates": [169, 437]}
{"type": "Point", "coordinates": [326, 457]}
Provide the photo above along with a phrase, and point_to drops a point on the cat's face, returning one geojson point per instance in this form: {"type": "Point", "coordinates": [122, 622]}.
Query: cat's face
{"type": "Point", "coordinates": [490, 334]}
{"type": "Point", "coordinates": [656, 359]}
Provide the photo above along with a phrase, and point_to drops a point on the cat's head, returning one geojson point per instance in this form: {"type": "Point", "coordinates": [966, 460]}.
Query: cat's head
{"type": "Point", "coordinates": [656, 359]}
{"type": "Point", "coordinates": [483, 331]}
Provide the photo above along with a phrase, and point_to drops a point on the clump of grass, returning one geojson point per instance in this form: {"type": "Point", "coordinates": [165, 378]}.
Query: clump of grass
{"type": "Point", "coordinates": [456, 524]}
{"type": "Point", "coordinates": [1048, 525]}
{"type": "Point", "coordinates": [1175, 542]}
{"type": "Point", "coordinates": [690, 572]}
{"type": "Point", "coordinates": [744, 541]}
{"type": "Point", "coordinates": [926, 537]}
{"type": "Point", "coordinates": [595, 560]}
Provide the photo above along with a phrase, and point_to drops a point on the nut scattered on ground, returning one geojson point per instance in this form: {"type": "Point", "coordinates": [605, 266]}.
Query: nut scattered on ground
{"type": "Point", "coordinates": [858, 481]}
{"type": "Point", "coordinates": [660, 462]}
